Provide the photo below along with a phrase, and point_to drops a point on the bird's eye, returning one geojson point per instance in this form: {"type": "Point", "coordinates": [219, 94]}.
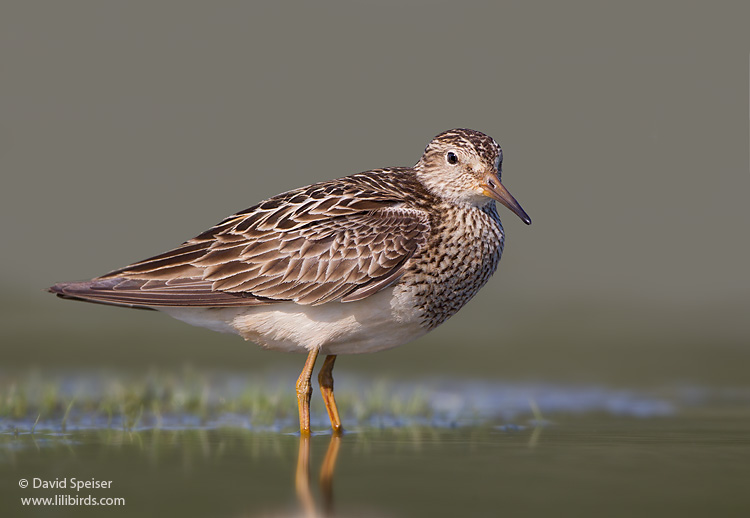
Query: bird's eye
{"type": "Point", "coordinates": [452, 158]}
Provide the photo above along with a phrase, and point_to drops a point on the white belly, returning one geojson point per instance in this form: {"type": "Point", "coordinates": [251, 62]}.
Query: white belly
{"type": "Point", "coordinates": [379, 322]}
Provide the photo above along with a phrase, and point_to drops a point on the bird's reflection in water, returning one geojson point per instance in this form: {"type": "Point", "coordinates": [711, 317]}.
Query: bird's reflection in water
{"type": "Point", "coordinates": [302, 477]}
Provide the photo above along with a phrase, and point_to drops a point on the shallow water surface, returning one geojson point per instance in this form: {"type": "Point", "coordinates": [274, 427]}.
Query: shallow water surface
{"type": "Point", "coordinates": [688, 461]}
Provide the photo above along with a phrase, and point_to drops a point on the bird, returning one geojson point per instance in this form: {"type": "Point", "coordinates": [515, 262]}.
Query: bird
{"type": "Point", "coordinates": [359, 264]}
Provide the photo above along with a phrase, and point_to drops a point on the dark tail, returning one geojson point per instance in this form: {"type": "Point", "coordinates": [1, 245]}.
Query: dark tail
{"type": "Point", "coordinates": [85, 292]}
{"type": "Point", "coordinates": [154, 293]}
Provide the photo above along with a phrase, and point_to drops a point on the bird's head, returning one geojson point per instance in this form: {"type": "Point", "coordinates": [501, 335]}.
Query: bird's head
{"type": "Point", "coordinates": [464, 166]}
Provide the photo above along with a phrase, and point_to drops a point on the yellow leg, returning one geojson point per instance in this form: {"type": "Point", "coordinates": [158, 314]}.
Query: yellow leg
{"type": "Point", "coordinates": [304, 391]}
{"type": "Point", "coordinates": [325, 379]}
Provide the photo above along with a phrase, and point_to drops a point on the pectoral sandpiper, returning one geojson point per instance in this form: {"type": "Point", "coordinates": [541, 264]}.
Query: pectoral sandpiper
{"type": "Point", "coordinates": [355, 265]}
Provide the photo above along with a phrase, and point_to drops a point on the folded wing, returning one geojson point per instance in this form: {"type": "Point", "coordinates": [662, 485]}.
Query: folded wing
{"type": "Point", "coordinates": [331, 241]}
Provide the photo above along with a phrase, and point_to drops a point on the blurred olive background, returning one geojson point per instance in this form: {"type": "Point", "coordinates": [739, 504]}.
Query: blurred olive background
{"type": "Point", "coordinates": [128, 127]}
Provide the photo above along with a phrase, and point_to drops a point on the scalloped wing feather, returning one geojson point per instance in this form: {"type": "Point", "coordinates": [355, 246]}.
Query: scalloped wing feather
{"type": "Point", "coordinates": [344, 239]}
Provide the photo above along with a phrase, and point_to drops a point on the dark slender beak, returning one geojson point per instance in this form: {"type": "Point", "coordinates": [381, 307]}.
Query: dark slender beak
{"type": "Point", "coordinates": [495, 190]}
